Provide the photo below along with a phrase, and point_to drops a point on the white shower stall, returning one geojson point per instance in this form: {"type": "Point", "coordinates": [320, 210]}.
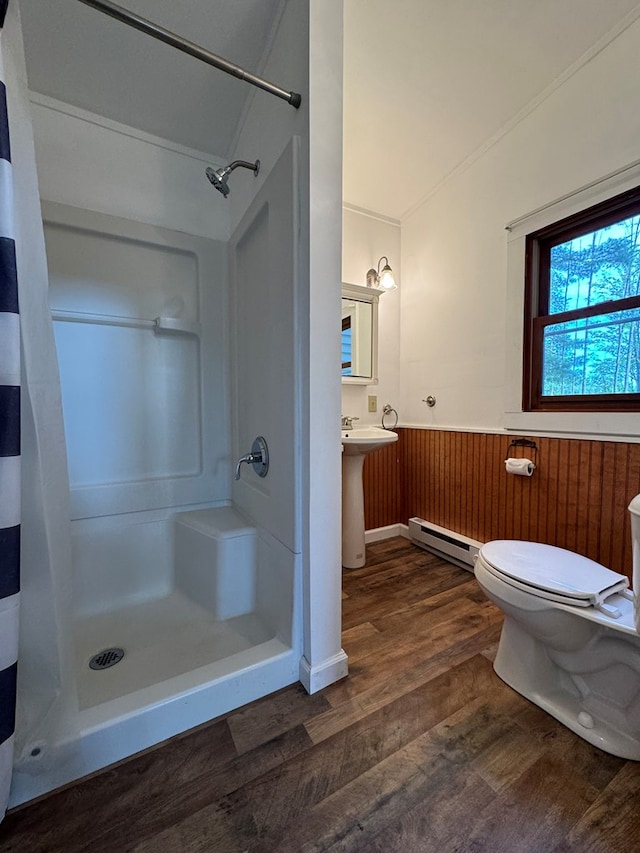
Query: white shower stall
{"type": "Point", "coordinates": [164, 379]}
{"type": "Point", "coordinates": [179, 334]}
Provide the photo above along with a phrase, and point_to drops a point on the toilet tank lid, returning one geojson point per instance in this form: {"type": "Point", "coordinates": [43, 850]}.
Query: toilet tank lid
{"type": "Point", "coordinates": [634, 506]}
{"type": "Point", "coordinates": [553, 569]}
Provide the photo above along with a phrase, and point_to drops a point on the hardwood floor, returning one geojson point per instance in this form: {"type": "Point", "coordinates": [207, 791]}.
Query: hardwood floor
{"type": "Point", "coordinates": [421, 748]}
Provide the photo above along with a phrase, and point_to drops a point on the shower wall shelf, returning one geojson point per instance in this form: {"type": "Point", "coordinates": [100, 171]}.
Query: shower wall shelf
{"type": "Point", "coordinates": [159, 324]}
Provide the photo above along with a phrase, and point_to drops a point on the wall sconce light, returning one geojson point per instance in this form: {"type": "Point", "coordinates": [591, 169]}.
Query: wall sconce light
{"type": "Point", "coordinates": [382, 278]}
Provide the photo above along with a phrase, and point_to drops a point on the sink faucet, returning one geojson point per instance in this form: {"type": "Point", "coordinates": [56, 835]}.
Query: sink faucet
{"type": "Point", "coordinates": [346, 421]}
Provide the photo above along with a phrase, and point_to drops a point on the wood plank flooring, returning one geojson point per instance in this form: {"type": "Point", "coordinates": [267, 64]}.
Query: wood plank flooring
{"type": "Point", "coordinates": [421, 748]}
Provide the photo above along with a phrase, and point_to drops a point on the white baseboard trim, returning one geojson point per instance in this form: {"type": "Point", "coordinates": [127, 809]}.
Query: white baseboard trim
{"type": "Point", "coordinates": [377, 534]}
{"type": "Point", "coordinates": [321, 675]}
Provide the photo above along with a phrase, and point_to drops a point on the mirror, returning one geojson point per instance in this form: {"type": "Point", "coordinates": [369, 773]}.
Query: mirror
{"type": "Point", "coordinates": [359, 334]}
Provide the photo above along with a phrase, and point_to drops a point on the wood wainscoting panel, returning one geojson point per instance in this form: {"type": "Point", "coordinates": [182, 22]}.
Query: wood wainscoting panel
{"type": "Point", "coordinates": [620, 480]}
{"type": "Point", "coordinates": [381, 482]}
{"type": "Point", "coordinates": [577, 497]}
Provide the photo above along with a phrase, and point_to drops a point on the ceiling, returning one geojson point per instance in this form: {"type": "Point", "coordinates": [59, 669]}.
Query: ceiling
{"type": "Point", "coordinates": [427, 82]}
{"type": "Point", "coordinates": [86, 58]}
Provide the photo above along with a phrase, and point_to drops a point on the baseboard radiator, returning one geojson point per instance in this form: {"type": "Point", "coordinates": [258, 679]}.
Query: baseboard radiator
{"type": "Point", "coordinates": [451, 546]}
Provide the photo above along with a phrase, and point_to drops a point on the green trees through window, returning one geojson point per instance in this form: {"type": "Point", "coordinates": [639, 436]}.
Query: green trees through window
{"type": "Point", "coordinates": [598, 354]}
{"type": "Point", "coordinates": [582, 320]}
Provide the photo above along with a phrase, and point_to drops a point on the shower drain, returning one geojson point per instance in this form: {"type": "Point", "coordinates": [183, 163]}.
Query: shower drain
{"type": "Point", "coordinates": [106, 658]}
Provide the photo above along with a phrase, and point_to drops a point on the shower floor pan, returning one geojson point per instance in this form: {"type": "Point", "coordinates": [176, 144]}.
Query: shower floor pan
{"type": "Point", "coordinates": [162, 639]}
{"type": "Point", "coordinates": [181, 668]}
{"type": "Point", "coordinates": [219, 637]}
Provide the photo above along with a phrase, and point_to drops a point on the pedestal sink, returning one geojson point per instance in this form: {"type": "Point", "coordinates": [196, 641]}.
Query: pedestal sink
{"type": "Point", "coordinates": [356, 443]}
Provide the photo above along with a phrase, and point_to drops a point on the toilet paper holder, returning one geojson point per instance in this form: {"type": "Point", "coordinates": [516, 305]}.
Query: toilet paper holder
{"type": "Point", "coordinates": [524, 442]}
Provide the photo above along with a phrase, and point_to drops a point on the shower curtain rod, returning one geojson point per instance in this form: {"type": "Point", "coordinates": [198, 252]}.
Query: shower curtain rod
{"type": "Point", "coordinates": [146, 26]}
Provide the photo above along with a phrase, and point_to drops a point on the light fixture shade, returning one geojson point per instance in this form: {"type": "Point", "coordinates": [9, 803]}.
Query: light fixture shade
{"type": "Point", "coordinates": [386, 280]}
{"type": "Point", "coordinates": [382, 278]}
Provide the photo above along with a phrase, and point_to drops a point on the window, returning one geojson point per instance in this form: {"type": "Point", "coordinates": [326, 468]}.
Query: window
{"type": "Point", "coordinates": [582, 310]}
{"type": "Point", "coordinates": [346, 346]}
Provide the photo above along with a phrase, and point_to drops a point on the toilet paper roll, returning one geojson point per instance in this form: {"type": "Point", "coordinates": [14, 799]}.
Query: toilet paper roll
{"type": "Point", "coordinates": [521, 467]}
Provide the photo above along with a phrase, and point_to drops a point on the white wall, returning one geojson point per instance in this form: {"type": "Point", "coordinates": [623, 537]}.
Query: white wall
{"type": "Point", "coordinates": [96, 164]}
{"type": "Point", "coordinates": [365, 239]}
{"type": "Point", "coordinates": [453, 294]}
{"type": "Point", "coordinates": [270, 122]}
{"type": "Point", "coordinates": [306, 57]}
{"type": "Point", "coordinates": [264, 389]}
{"type": "Point", "coordinates": [125, 458]}
{"type": "Point", "coordinates": [324, 660]}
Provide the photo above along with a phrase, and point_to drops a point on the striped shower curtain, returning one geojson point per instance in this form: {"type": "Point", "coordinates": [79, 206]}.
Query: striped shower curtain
{"type": "Point", "coordinates": [9, 454]}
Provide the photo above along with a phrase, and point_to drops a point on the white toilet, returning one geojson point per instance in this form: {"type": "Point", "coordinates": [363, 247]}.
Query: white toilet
{"type": "Point", "coordinates": [569, 641]}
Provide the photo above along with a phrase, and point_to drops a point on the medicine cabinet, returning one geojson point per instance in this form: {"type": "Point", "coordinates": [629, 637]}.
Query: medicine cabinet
{"type": "Point", "coordinates": [359, 334]}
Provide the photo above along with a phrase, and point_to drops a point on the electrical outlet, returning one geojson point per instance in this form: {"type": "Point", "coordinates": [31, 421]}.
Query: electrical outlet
{"type": "Point", "coordinates": [373, 403]}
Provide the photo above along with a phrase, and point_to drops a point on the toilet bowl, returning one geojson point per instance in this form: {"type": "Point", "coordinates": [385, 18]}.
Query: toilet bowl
{"type": "Point", "coordinates": [569, 642]}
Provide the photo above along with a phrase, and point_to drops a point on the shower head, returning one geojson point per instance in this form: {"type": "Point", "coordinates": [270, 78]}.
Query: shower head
{"type": "Point", "coordinates": [219, 177]}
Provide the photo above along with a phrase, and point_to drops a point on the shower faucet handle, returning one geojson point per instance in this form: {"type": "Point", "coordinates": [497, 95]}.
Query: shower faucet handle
{"type": "Point", "coordinates": [259, 458]}
{"type": "Point", "coordinates": [249, 458]}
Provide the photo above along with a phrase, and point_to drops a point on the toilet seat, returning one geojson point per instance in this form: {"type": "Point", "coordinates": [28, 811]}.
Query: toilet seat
{"type": "Point", "coordinates": [553, 573]}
